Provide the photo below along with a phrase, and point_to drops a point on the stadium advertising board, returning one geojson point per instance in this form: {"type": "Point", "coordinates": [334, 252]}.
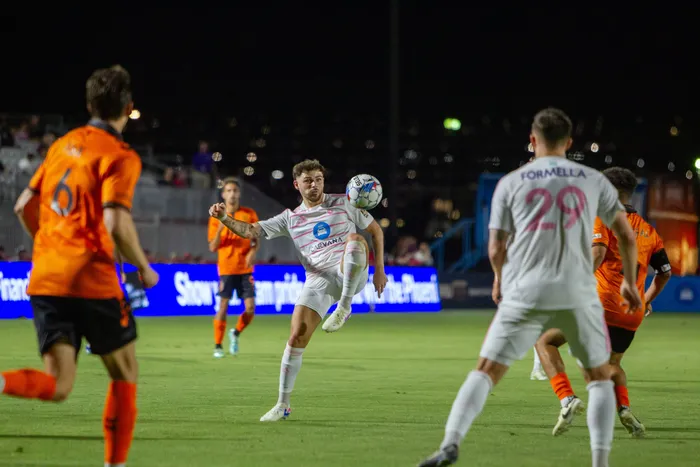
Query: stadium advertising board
{"type": "Point", "coordinates": [473, 291]}
{"type": "Point", "coordinates": [190, 290]}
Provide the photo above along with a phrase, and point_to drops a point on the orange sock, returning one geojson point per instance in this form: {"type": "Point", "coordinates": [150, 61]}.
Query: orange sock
{"type": "Point", "coordinates": [243, 321]}
{"type": "Point", "coordinates": [219, 331]}
{"type": "Point", "coordinates": [561, 385]}
{"type": "Point", "coordinates": [118, 421]}
{"type": "Point", "coordinates": [30, 384]}
{"type": "Point", "coordinates": [622, 396]}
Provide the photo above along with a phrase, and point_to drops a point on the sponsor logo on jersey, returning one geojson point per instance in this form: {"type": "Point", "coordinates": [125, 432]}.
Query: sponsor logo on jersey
{"type": "Point", "coordinates": [597, 235]}
{"type": "Point", "coordinates": [322, 231]}
{"type": "Point", "coordinates": [326, 244]}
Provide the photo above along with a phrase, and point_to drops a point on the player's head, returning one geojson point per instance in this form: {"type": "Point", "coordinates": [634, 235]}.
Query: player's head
{"type": "Point", "coordinates": [551, 133]}
{"type": "Point", "coordinates": [108, 95]}
{"type": "Point", "coordinates": [231, 191]}
{"type": "Point", "coordinates": [308, 179]}
{"type": "Point", "coordinates": [624, 180]}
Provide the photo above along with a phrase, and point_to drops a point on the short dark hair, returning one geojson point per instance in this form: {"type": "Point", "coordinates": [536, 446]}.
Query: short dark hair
{"type": "Point", "coordinates": [307, 166]}
{"type": "Point", "coordinates": [622, 179]}
{"type": "Point", "coordinates": [108, 92]}
{"type": "Point", "coordinates": [228, 180]}
{"type": "Point", "coordinates": [553, 125]}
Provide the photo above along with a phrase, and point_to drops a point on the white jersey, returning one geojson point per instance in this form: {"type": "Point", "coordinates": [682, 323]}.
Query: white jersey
{"type": "Point", "coordinates": [319, 233]}
{"type": "Point", "coordinates": [549, 207]}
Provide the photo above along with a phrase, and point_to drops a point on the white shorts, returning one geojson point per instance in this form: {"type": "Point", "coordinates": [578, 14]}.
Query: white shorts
{"type": "Point", "coordinates": [321, 292]}
{"type": "Point", "coordinates": [514, 331]}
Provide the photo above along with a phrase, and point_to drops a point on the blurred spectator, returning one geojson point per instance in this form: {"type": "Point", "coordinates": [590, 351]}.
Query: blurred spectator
{"type": "Point", "coordinates": [35, 127]}
{"type": "Point", "coordinates": [202, 167]}
{"type": "Point", "coordinates": [3, 257]}
{"type": "Point", "coordinates": [423, 256]}
{"type": "Point", "coordinates": [6, 138]}
{"type": "Point", "coordinates": [46, 141]}
{"type": "Point", "coordinates": [21, 254]}
{"type": "Point", "coordinates": [21, 134]}
{"type": "Point", "coordinates": [28, 164]}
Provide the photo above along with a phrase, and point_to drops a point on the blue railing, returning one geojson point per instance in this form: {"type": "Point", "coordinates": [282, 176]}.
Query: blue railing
{"type": "Point", "coordinates": [470, 254]}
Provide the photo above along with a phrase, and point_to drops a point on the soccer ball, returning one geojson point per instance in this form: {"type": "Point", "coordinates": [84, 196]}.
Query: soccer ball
{"type": "Point", "coordinates": [364, 191]}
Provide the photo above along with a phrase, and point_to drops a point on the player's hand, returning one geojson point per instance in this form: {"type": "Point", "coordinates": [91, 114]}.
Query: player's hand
{"type": "Point", "coordinates": [149, 277]}
{"type": "Point", "coordinates": [123, 277]}
{"type": "Point", "coordinates": [648, 310]}
{"type": "Point", "coordinates": [379, 281]}
{"type": "Point", "coordinates": [218, 211]}
{"type": "Point", "coordinates": [631, 295]}
{"type": "Point", "coordinates": [496, 292]}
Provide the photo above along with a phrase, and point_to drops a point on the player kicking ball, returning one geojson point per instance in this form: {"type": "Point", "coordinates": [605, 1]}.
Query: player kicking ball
{"type": "Point", "coordinates": [548, 207]}
{"type": "Point", "coordinates": [621, 325]}
{"type": "Point", "coordinates": [334, 256]}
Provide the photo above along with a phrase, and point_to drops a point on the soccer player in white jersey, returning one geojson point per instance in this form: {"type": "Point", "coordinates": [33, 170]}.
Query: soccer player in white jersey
{"type": "Point", "coordinates": [335, 257]}
{"type": "Point", "coordinates": [546, 279]}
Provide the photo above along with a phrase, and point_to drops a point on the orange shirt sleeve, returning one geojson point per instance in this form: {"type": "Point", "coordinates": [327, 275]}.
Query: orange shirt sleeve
{"type": "Point", "coordinates": [37, 179]}
{"type": "Point", "coordinates": [601, 234]}
{"type": "Point", "coordinates": [213, 227]}
{"type": "Point", "coordinates": [119, 177]}
{"type": "Point", "coordinates": [253, 217]}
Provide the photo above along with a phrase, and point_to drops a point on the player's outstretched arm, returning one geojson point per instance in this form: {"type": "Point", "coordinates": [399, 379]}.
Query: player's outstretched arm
{"type": "Point", "coordinates": [662, 267]}
{"type": "Point", "coordinates": [27, 211]}
{"type": "Point", "coordinates": [240, 228]}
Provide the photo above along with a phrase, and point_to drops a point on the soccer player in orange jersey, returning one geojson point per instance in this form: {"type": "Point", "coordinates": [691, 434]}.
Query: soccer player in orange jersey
{"type": "Point", "coordinates": [83, 192]}
{"type": "Point", "coordinates": [621, 324]}
{"type": "Point", "coordinates": [236, 257]}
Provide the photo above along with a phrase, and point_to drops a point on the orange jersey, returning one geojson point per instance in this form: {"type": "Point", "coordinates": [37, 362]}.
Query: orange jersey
{"type": "Point", "coordinates": [88, 169]}
{"type": "Point", "coordinates": [233, 249]}
{"type": "Point", "coordinates": [650, 251]}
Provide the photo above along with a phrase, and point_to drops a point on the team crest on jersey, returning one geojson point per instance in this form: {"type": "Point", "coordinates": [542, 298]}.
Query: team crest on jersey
{"type": "Point", "coordinates": [322, 231]}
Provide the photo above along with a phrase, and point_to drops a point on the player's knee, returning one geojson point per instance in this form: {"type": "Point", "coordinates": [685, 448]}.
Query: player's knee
{"type": "Point", "coordinates": [493, 369]}
{"type": "Point", "coordinates": [63, 390]}
{"type": "Point", "coordinates": [249, 309]}
{"type": "Point", "coordinates": [600, 373]}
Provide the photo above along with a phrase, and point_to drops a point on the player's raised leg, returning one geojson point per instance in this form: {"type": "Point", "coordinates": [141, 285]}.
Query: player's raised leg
{"type": "Point", "coordinates": [119, 417]}
{"type": "Point", "coordinates": [353, 266]}
{"type": "Point", "coordinates": [247, 292]}
{"type": "Point", "coordinates": [553, 366]}
{"type": "Point", "coordinates": [304, 323]}
{"type": "Point", "coordinates": [511, 334]}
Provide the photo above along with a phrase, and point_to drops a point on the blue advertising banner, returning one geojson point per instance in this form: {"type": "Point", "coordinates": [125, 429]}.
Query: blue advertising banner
{"type": "Point", "coordinates": [472, 290]}
{"type": "Point", "coordinates": [191, 289]}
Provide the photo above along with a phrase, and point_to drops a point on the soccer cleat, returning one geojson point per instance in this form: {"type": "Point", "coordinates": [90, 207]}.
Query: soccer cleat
{"type": "Point", "coordinates": [233, 346]}
{"type": "Point", "coordinates": [336, 320]}
{"type": "Point", "coordinates": [538, 375]}
{"type": "Point", "coordinates": [446, 456]}
{"type": "Point", "coordinates": [219, 352]}
{"type": "Point", "coordinates": [631, 423]}
{"type": "Point", "coordinates": [277, 413]}
{"type": "Point", "coordinates": [567, 414]}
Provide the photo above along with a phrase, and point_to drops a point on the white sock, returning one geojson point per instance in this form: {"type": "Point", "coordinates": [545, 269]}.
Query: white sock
{"type": "Point", "coordinates": [470, 400]}
{"type": "Point", "coordinates": [115, 465]}
{"type": "Point", "coordinates": [291, 364]}
{"type": "Point", "coordinates": [601, 420]}
{"type": "Point", "coordinates": [537, 366]}
{"type": "Point", "coordinates": [354, 262]}
{"type": "Point", "coordinates": [566, 401]}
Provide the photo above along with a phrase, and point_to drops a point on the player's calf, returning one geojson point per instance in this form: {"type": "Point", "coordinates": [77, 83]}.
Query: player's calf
{"type": "Point", "coordinates": [119, 417]}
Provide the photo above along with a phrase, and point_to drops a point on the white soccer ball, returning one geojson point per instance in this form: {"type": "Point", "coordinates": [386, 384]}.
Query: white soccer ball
{"type": "Point", "coordinates": [364, 191]}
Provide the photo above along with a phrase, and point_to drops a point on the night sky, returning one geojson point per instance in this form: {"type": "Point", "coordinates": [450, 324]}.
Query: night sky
{"type": "Point", "coordinates": [285, 58]}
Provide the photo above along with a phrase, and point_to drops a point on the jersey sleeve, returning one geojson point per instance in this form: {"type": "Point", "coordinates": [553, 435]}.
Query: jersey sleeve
{"type": "Point", "coordinates": [359, 217]}
{"type": "Point", "coordinates": [37, 179]}
{"type": "Point", "coordinates": [212, 228]}
{"type": "Point", "coordinates": [501, 215]}
{"type": "Point", "coordinates": [608, 203]}
{"type": "Point", "coordinates": [277, 226]}
{"type": "Point", "coordinates": [601, 234]}
{"type": "Point", "coordinates": [119, 177]}
{"type": "Point", "coordinates": [253, 217]}
{"type": "Point", "coordinates": [659, 259]}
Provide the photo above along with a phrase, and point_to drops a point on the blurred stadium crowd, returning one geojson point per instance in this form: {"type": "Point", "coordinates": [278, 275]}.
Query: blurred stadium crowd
{"type": "Point", "coordinates": [439, 165]}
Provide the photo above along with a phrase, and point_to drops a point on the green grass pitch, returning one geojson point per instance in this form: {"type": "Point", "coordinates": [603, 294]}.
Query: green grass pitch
{"type": "Point", "coordinates": [376, 393]}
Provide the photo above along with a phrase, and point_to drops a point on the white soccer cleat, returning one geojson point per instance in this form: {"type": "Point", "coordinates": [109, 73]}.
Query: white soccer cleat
{"type": "Point", "coordinates": [277, 413]}
{"type": "Point", "coordinates": [337, 319]}
{"type": "Point", "coordinates": [566, 416]}
{"type": "Point", "coordinates": [233, 346]}
{"type": "Point", "coordinates": [219, 353]}
{"type": "Point", "coordinates": [631, 423]}
{"type": "Point", "coordinates": [538, 375]}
